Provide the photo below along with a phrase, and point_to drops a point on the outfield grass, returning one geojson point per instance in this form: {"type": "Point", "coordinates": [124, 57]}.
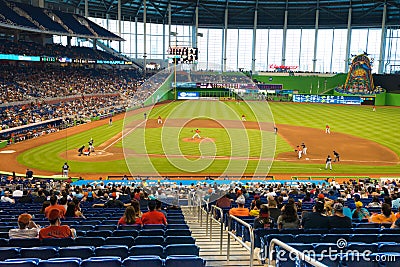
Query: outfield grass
{"type": "Point", "coordinates": [381, 126]}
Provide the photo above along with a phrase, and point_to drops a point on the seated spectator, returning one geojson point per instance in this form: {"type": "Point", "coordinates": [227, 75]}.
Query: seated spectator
{"type": "Point", "coordinates": [274, 212]}
{"type": "Point", "coordinates": [40, 198]}
{"type": "Point", "coordinates": [26, 197]}
{"type": "Point", "coordinates": [45, 204]}
{"type": "Point", "coordinates": [17, 192]}
{"type": "Point", "coordinates": [315, 219]}
{"type": "Point", "coordinates": [289, 218]}
{"type": "Point", "coordinates": [387, 216]}
{"type": "Point", "coordinates": [89, 195]}
{"type": "Point", "coordinates": [307, 198]}
{"type": "Point", "coordinates": [395, 201]}
{"type": "Point", "coordinates": [339, 220]}
{"type": "Point", "coordinates": [73, 211]}
{"type": "Point", "coordinates": [396, 224]}
{"type": "Point", "coordinates": [153, 216]}
{"type": "Point", "coordinates": [7, 198]}
{"type": "Point", "coordinates": [224, 202]}
{"type": "Point", "coordinates": [129, 217]}
{"type": "Point", "coordinates": [375, 203]}
{"type": "Point", "coordinates": [54, 205]}
{"type": "Point", "coordinates": [263, 220]}
{"type": "Point", "coordinates": [240, 210]}
{"type": "Point", "coordinates": [359, 213]}
{"type": "Point", "coordinates": [111, 203]}
{"type": "Point", "coordinates": [56, 230]}
{"type": "Point", "coordinates": [26, 228]}
{"type": "Point", "coordinates": [159, 208]}
{"type": "Point", "coordinates": [255, 211]}
{"type": "Point", "coordinates": [135, 205]}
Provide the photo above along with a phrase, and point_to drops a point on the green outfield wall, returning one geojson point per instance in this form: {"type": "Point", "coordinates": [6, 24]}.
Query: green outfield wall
{"type": "Point", "coordinates": [393, 100]}
{"type": "Point", "coordinates": [162, 93]}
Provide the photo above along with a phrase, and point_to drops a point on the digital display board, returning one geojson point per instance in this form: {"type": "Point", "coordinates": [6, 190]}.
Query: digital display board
{"type": "Point", "coordinates": [188, 95]}
{"type": "Point", "coordinates": [264, 86]}
{"type": "Point", "coordinates": [328, 99]}
{"type": "Point", "coordinates": [183, 54]}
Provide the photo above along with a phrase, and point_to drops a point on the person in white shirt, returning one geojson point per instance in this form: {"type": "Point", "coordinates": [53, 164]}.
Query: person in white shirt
{"type": "Point", "coordinates": [6, 198]}
{"type": "Point", "coordinates": [27, 228]}
{"type": "Point", "coordinates": [18, 192]}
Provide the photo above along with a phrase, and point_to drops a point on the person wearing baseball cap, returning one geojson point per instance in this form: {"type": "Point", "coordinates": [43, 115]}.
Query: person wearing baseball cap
{"type": "Point", "coordinates": [240, 210]}
{"type": "Point", "coordinates": [360, 213]}
{"type": "Point", "coordinates": [26, 228]}
{"type": "Point", "coordinates": [339, 220]}
{"type": "Point", "coordinates": [56, 230]}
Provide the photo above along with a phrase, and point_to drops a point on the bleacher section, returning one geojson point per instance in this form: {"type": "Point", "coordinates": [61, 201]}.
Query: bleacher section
{"type": "Point", "coordinates": [26, 16]}
{"type": "Point", "coordinates": [98, 239]}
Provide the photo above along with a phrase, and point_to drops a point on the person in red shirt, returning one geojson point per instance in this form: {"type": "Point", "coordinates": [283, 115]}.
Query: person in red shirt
{"type": "Point", "coordinates": [56, 230]}
{"type": "Point", "coordinates": [129, 217]}
{"type": "Point", "coordinates": [54, 205]}
{"type": "Point", "coordinates": [153, 216]}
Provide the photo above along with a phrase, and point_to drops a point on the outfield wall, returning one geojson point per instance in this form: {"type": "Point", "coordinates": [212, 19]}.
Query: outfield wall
{"type": "Point", "coordinates": [392, 100]}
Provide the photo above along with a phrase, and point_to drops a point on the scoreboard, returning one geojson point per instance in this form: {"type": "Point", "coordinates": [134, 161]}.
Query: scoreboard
{"type": "Point", "coordinates": [183, 54]}
{"type": "Point", "coordinates": [328, 99]}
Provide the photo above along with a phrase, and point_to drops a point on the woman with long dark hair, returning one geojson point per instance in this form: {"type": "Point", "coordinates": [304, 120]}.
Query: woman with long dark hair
{"type": "Point", "coordinates": [129, 217]}
{"type": "Point", "coordinates": [289, 218]}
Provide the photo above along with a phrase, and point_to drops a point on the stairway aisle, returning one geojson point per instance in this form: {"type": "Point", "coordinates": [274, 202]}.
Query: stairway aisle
{"type": "Point", "coordinates": [210, 249]}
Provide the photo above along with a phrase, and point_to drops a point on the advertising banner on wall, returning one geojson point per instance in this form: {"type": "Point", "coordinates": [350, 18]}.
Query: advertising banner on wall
{"type": "Point", "coordinates": [328, 99]}
{"type": "Point", "coordinates": [188, 95]}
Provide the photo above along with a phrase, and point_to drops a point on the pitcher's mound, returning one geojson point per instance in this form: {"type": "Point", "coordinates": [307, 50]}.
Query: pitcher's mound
{"type": "Point", "coordinates": [198, 140]}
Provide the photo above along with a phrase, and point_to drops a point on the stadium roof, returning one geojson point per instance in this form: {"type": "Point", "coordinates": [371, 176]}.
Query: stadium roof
{"type": "Point", "coordinates": [301, 13]}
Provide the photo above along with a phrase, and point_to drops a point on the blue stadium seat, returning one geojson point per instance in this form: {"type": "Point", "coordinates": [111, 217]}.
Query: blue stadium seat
{"type": "Point", "coordinates": [9, 252]}
{"type": "Point", "coordinates": [140, 261]}
{"type": "Point", "coordinates": [389, 238]}
{"type": "Point", "coordinates": [147, 250]}
{"type": "Point", "coordinates": [184, 261]}
{"type": "Point", "coordinates": [363, 247]}
{"type": "Point", "coordinates": [333, 238]}
{"type": "Point", "coordinates": [367, 238]}
{"type": "Point", "coordinates": [19, 263]}
{"type": "Point", "coordinates": [102, 262]}
{"type": "Point", "coordinates": [83, 252]}
{"type": "Point", "coordinates": [183, 249]}
{"type": "Point", "coordinates": [151, 232]}
{"type": "Point", "coordinates": [89, 241]}
{"type": "Point", "coordinates": [292, 231]}
{"type": "Point", "coordinates": [4, 242]}
{"type": "Point", "coordinates": [154, 226]}
{"type": "Point", "coordinates": [58, 242]}
{"type": "Point", "coordinates": [170, 240]}
{"type": "Point", "coordinates": [99, 233]}
{"type": "Point", "coordinates": [149, 240]}
{"type": "Point", "coordinates": [112, 250]}
{"type": "Point", "coordinates": [340, 231]}
{"type": "Point", "coordinates": [362, 231]}
{"type": "Point", "coordinates": [130, 227]}
{"type": "Point", "coordinates": [85, 228]}
{"type": "Point", "coordinates": [323, 248]}
{"type": "Point", "coordinates": [60, 262]}
{"type": "Point", "coordinates": [42, 253]}
{"type": "Point", "coordinates": [177, 226]}
{"type": "Point", "coordinates": [357, 260]}
{"type": "Point", "coordinates": [388, 247]}
{"type": "Point", "coordinates": [24, 242]}
{"type": "Point", "coordinates": [307, 238]}
{"type": "Point", "coordinates": [120, 240]}
{"type": "Point", "coordinates": [133, 233]}
{"type": "Point", "coordinates": [178, 232]}
{"type": "Point", "coordinates": [388, 259]}
{"type": "Point", "coordinates": [106, 227]}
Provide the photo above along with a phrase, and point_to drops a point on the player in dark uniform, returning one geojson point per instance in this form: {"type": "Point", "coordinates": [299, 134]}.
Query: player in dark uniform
{"type": "Point", "coordinates": [337, 156]}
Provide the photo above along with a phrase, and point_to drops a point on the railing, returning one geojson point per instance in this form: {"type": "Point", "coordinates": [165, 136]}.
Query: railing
{"type": "Point", "coordinates": [214, 210]}
{"type": "Point", "coordinates": [292, 251]}
{"type": "Point", "coordinates": [232, 234]}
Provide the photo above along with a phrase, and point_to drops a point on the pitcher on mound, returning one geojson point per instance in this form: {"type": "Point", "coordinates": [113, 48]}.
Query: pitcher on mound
{"type": "Point", "coordinates": [196, 134]}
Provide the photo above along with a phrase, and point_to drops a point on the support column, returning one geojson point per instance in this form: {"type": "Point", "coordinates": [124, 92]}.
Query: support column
{"type": "Point", "coordinates": [316, 38]}
{"type": "Point", "coordinates": [144, 35]}
{"type": "Point", "coordinates": [169, 24]}
{"type": "Point", "coordinates": [284, 37]}
{"type": "Point", "coordinates": [163, 40]}
{"type": "Point", "coordinates": [86, 8]}
{"type": "Point", "coordinates": [136, 39]}
{"type": "Point", "coordinates": [119, 26]}
{"type": "Point", "coordinates": [225, 39]}
{"type": "Point", "coordinates": [253, 51]}
{"type": "Point", "coordinates": [196, 27]}
{"type": "Point", "coordinates": [94, 44]}
{"type": "Point", "coordinates": [69, 38]}
{"type": "Point", "coordinates": [348, 41]}
{"type": "Point", "coordinates": [41, 3]}
{"type": "Point", "coordinates": [381, 66]}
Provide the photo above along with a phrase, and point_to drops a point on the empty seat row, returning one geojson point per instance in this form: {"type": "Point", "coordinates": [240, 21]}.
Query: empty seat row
{"type": "Point", "coordinates": [84, 252]}
{"type": "Point", "coordinates": [132, 261]}
{"type": "Point", "coordinates": [97, 241]}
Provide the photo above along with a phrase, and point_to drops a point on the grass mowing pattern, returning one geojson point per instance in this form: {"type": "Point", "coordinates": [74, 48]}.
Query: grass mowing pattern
{"type": "Point", "coordinates": [381, 126]}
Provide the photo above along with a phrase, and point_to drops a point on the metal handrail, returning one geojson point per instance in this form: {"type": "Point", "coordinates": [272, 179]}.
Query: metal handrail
{"type": "Point", "coordinates": [214, 208]}
{"type": "Point", "coordinates": [299, 255]}
{"type": "Point", "coordinates": [230, 233]}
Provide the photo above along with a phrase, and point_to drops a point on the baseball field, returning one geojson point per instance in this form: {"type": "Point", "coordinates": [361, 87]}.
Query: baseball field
{"type": "Point", "coordinates": [368, 141]}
